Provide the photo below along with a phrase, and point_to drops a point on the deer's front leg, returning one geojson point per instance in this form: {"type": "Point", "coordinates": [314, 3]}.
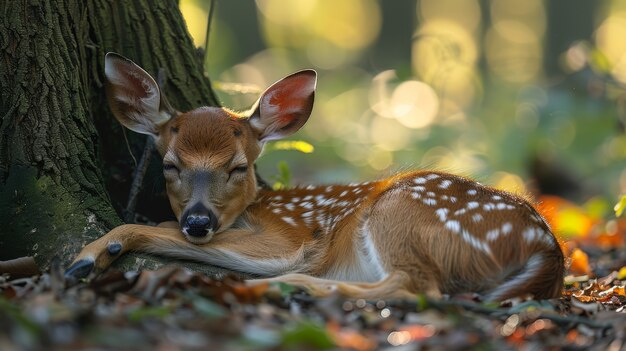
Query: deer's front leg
{"type": "Point", "coordinates": [99, 254]}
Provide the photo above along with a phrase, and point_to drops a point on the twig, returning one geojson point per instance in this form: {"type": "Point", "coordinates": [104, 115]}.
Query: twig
{"type": "Point", "coordinates": [140, 172]}
{"type": "Point", "coordinates": [208, 29]}
{"type": "Point", "coordinates": [19, 267]}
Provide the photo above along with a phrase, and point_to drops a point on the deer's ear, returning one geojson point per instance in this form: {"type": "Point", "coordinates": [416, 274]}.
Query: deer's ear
{"type": "Point", "coordinates": [134, 96]}
{"type": "Point", "coordinates": [285, 106]}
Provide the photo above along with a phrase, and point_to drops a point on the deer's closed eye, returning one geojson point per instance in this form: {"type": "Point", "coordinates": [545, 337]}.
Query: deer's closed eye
{"type": "Point", "coordinates": [170, 167]}
{"type": "Point", "coordinates": [239, 169]}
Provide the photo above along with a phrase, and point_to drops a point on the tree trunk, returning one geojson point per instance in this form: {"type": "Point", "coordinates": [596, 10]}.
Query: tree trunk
{"type": "Point", "coordinates": [58, 140]}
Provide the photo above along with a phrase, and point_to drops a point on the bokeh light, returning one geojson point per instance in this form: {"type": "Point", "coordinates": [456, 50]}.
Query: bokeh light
{"type": "Point", "coordinates": [473, 93]}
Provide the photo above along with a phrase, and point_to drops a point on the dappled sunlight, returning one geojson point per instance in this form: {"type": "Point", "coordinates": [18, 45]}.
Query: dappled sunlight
{"type": "Point", "coordinates": [509, 182]}
{"type": "Point", "coordinates": [610, 40]}
{"type": "Point", "coordinates": [473, 93]}
{"type": "Point", "coordinates": [412, 103]}
{"type": "Point", "coordinates": [329, 32]}
{"type": "Point", "coordinates": [513, 44]}
{"type": "Point", "coordinates": [445, 51]}
{"type": "Point", "coordinates": [196, 17]}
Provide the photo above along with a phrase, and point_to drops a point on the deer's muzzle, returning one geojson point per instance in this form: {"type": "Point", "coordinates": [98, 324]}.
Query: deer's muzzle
{"type": "Point", "coordinates": [199, 221]}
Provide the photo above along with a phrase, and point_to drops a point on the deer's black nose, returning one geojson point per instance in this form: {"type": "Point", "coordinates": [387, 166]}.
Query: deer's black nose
{"type": "Point", "coordinates": [199, 221]}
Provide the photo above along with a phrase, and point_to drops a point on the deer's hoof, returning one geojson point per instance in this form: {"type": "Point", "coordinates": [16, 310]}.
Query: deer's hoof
{"type": "Point", "coordinates": [80, 269]}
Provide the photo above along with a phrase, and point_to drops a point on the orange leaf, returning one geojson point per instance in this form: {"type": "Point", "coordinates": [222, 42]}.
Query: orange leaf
{"type": "Point", "coordinates": [580, 262]}
{"type": "Point", "coordinates": [565, 218]}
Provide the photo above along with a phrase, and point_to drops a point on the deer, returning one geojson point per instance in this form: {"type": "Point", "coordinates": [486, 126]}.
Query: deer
{"type": "Point", "coordinates": [416, 232]}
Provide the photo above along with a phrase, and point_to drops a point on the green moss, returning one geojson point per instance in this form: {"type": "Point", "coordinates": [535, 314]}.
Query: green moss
{"type": "Point", "coordinates": [41, 219]}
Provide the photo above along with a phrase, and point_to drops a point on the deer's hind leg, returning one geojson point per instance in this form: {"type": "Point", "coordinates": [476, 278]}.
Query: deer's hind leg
{"type": "Point", "coordinates": [397, 285]}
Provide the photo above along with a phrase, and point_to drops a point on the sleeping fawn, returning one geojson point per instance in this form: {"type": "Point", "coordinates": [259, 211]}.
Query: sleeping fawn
{"type": "Point", "coordinates": [415, 232]}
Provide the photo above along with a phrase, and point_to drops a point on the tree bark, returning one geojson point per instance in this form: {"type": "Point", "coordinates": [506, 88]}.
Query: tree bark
{"type": "Point", "coordinates": [64, 163]}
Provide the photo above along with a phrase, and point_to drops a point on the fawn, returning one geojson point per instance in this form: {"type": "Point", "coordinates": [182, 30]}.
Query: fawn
{"type": "Point", "coordinates": [415, 232]}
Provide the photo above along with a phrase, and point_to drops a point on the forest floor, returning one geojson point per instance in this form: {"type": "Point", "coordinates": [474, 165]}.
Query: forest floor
{"type": "Point", "coordinates": [175, 309]}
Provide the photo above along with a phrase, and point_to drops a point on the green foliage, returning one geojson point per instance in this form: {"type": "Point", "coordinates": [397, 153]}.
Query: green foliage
{"type": "Point", "coordinates": [207, 307]}
{"type": "Point", "coordinates": [13, 312]}
{"type": "Point", "coordinates": [149, 312]}
{"type": "Point", "coordinates": [283, 179]}
{"type": "Point", "coordinates": [307, 334]}
{"type": "Point", "coordinates": [284, 288]}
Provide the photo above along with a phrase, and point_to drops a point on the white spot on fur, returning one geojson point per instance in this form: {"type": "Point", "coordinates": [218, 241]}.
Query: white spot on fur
{"type": "Point", "coordinates": [432, 176]}
{"type": "Point", "coordinates": [445, 184]}
{"type": "Point", "coordinates": [472, 192]}
{"type": "Point", "coordinates": [496, 197]}
{"type": "Point", "coordinates": [344, 193]}
{"type": "Point", "coordinates": [308, 198]}
{"type": "Point", "coordinates": [289, 220]}
{"type": "Point", "coordinates": [307, 205]}
{"type": "Point", "coordinates": [442, 213]}
{"type": "Point", "coordinates": [295, 199]}
{"type": "Point", "coordinates": [475, 242]}
{"type": "Point", "coordinates": [501, 206]}
{"type": "Point", "coordinates": [452, 199]}
{"type": "Point", "coordinates": [459, 212]}
{"type": "Point", "coordinates": [418, 188]}
{"type": "Point", "coordinates": [276, 210]}
{"type": "Point", "coordinates": [489, 206]}
{"type": "Point", "coordinates": [290, 207]}
{"type": "Point", "coordinates": [477, 217]}
{"type": "Point", "coordinates": [507, 227]}
{"type": "Point", "coordinates": [453, 226]}
{"type": "Point", "coordinates": [430, 193]}
{"type": "Point", "coordinates": [429, 202]}
{"type": "Point", "coordinates": [493, 234]}
{"type": "Point", "coordinates": [472, 205]}
{"type": "Point", "coordinates": [419, 180]}
{"type": "Point", "coordinates": [532, 234]}
{"type": "Point", "coordinates": [321, 219]}
{"type": "Point", "coordinates": [416, 196]}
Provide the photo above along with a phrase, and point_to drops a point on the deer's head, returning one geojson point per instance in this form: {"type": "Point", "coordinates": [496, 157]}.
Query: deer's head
{"type": "Point", "coordinates": [208, 153]}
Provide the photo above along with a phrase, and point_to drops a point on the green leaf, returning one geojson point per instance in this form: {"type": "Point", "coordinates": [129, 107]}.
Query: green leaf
{"type": "Point", "coordinates": [208, 308]}
{"type": "Point", "coordinates": [149, 312]}
{"type": "Point", "coordinates": [620, 206]}
{"type": "Point", "coordinates": [307, 334]}
{"type": "Point", "coordinates": [283, 179]}
{"type": "Point", "coordinates": [14, 312]}
{"type": "Point", "coordinates": [284, 288]}
{"type": "Point", "coordinates": [422, 302]}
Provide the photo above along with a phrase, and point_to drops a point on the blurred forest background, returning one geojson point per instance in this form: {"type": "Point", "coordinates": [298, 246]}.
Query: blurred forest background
{"type": "Point", "coordinates": [508, 92]}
